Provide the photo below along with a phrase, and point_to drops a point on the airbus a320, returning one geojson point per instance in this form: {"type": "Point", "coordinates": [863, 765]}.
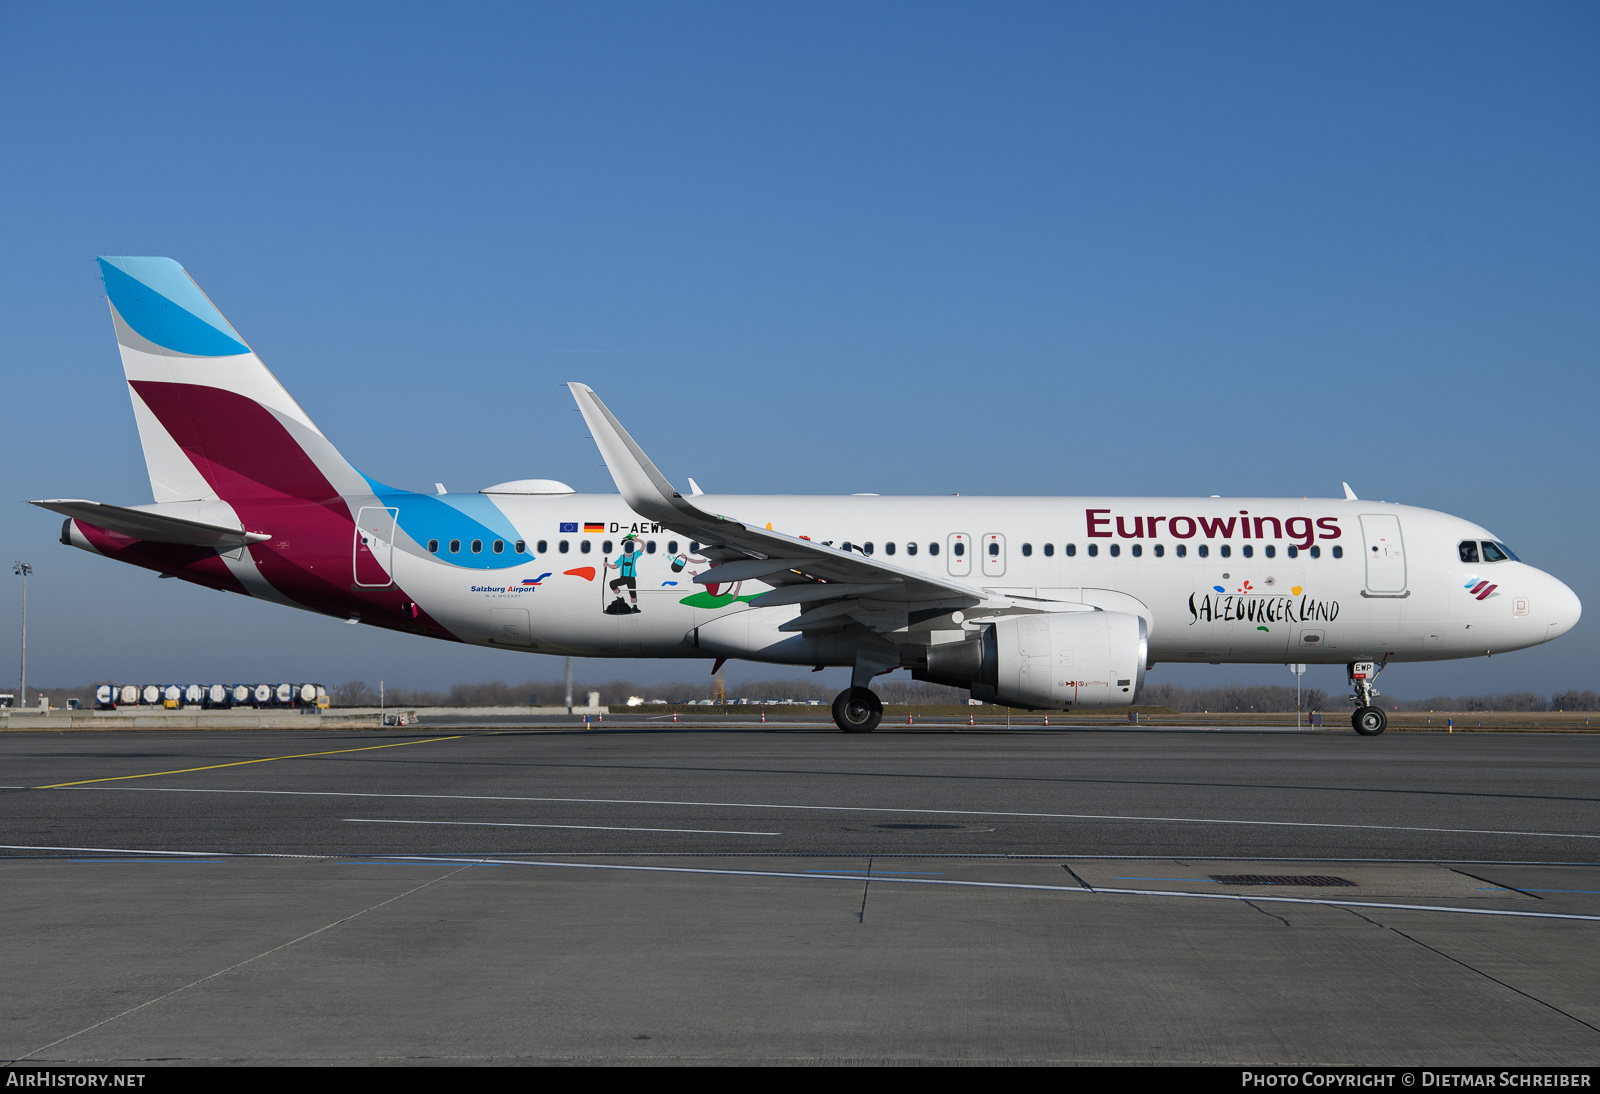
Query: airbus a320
{"type": "Point", "coordinates": [1041, 603]}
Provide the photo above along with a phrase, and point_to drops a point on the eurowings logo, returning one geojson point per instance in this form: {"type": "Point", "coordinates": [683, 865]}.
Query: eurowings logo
{"type": "Point", "coordinates": [1480, 589]}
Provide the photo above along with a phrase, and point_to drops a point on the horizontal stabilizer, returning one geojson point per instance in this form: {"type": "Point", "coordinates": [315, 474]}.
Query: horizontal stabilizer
{"type": "Point", "coordinates": [152, 526]}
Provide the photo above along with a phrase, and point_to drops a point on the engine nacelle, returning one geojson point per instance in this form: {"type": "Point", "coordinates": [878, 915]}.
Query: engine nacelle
{"type": "Point", "coordinates": [1050, 661]}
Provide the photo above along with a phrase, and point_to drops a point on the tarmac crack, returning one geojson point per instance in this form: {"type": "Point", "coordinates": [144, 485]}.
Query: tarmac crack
{"type": "Point", "coordinates": [1264, 912]}
{"type": "Point", "coordinates": [1076, 878]}
{"type": "Point", "coordinates": [1497, 884]}
{"type": "Point", "coordinates": [239, 964]}
{"type": "Point", "coordinates": [1474, 969]}
{"type": "Point", "coordinates": [861, 916]}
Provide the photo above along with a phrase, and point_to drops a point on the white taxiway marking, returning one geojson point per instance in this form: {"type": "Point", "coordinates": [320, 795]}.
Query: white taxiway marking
{"type": "Point", "coordinates": [427, 860]}
{"type": "Point", "coordinates": [855, 809]}
{"type": "Point", "coordinates": [446, 860]}
{"type": "Point", "coordinates": [582, 827]}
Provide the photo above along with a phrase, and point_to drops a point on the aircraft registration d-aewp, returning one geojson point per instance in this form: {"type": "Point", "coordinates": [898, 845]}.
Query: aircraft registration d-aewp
{"type": "Point", "coordinates": [1042, 603]}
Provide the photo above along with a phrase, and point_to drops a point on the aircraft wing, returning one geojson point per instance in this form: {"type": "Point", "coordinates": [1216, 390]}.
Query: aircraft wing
{"type": "Point", "coordinates": [807, 573]}
{"type": "Point", "coordinates": [153, 526]}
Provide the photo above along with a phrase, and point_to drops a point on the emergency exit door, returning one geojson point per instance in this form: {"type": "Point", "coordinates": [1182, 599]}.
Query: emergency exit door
{"type": "Point", "coordinates": [993, 554]}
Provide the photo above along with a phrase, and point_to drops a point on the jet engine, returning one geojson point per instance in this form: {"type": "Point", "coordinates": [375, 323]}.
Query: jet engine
{"type": "Point", "coordinates": [1049, 661]}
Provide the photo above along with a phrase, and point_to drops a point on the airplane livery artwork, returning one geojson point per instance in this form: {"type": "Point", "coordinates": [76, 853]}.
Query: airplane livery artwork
{"type": "Point", "coordinates": [1041, 603]}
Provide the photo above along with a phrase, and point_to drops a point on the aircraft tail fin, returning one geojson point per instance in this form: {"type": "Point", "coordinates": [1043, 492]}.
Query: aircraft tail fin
{"type": "Point", "coordinates": [214, 422]}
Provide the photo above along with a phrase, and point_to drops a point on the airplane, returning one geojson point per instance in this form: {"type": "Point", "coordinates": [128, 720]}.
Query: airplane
{"type": "Point", "coordinates": [1038, 603]}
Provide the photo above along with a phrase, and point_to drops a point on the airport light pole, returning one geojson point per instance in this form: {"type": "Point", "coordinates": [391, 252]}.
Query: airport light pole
{"type": "Point", "coordinates": [1299, 671]}
{"type": "Point", "coordinates": [22, 570]}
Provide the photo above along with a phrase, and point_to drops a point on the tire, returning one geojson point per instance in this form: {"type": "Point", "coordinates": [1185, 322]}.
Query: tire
{"type": "Point", "coordinates": [857, 710]}
{"type": "Point", "coordinates": [1369, 721]}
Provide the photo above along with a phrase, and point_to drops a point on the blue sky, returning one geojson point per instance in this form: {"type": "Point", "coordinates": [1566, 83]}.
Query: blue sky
{"type": "Point", "coordinates": [908, 248]}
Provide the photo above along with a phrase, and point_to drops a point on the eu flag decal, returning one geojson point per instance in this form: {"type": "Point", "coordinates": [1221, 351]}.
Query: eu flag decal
{"type": "Point", "coordinates": [569, 526]}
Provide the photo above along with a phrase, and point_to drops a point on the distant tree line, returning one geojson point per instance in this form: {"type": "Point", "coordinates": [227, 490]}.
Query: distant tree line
{"type": "Point", "coordinates": [1508, 701]}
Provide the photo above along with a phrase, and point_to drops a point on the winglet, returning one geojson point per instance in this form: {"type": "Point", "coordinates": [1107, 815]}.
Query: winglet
{"type": "Point", "coordinates": [641, 484]}
{"type": "Point", "coordinates": [1349, 494]}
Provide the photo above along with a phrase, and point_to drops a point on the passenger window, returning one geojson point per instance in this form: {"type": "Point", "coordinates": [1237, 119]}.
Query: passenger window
{"type": "Point", "coordinates": [1469, 551]}
{"type": "Point", "coordinates": [1294, 552]}
{"type": "Point", "coordinates": [544, 545]}
{"type": "Point", "coordinates": [888, 548]}
{"type": "Point", "coordinates": [499, 546]}
{"type": "Point", "coordinates": [1316, 552]}
{"type": "Point", "coordinates": [455, 546]}
{"type": "Point", "coordinates": [911, 548]}
{"type": "Point", "coordinates": [1272, 552]}
{"type": "Point", "coordinates": [1160, 550]}
{"type": "Point", "coordinates": [521, 547]}
{"type": "Point", "coordinates": [650, 547]}
{"type": "Point", "coordinates": [994, 549]}
{"type": "Point", "coordinates": [1094, 549]}
{"type": "Point", "coordinates": [1338, 552]}
{"type": "Point", "coordinates": [672, 546]}
{"type": "Point", "coordinates": [694, 548]}
{"type": "Point", "coordinates": [562, 547]}
{"type": "Point", "coordinates": [1183, 550]}
{"type": "Point", "coordinates": [933, 548]}
{"type": "Point", "coordinates": [433, 546]}
{"type": "Point", "coordinates": [1072, 549]}
{"type": "Point", "coordinates": [1049, 550]}
{"type": "Point", "coordinates": [605, 548]}
{"type": "Point", "coordinates": [960, 548]}
{"type": "Point", "coordinates": [1492, 553]}
{"type": "Point", "coordinates": [866, 548]}
{"type": "Point", "coordinates": [1027, 550]}
{"type": "Point", "coordinates": [1227, 552]}
{"type": "Point", "coordinates": [1204, 550]}
{"type": "Point", "coordinates": [584, 547]}
{"type": "Point", "coordinates": [1138, 550]}
{"type": "Point", "coordinates": [477, 546]}
{"type": "Point", "coordinates": [1249, 551]}
{"type": "Point", "coordinates": [1116, 550]}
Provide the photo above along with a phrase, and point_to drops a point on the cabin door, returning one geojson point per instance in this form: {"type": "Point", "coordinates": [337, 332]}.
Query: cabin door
{"type": "Point", "coordinates": [1386, 554]}
{"type": "Point", "coordinates": [374, 546]}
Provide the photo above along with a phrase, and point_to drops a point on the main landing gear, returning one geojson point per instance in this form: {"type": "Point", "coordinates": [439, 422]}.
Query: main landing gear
{"type": "Point", "coordinates": [1368, 720]}
{"type": "Point", "coordinates": [857, 710]}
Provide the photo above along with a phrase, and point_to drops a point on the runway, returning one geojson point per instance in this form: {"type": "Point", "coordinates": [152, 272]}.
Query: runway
{"type": "Point", "coordinates": [787, 893]}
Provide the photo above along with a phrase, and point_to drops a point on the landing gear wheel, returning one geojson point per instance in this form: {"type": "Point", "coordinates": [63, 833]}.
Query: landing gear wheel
{"type": "Point", "coordinates": [857, 710]}
{"type": "Point", "coordinates": [1369, 721]}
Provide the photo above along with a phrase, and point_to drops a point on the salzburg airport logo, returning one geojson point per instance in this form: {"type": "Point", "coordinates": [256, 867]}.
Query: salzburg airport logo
{"type": "Point", "coordinates": [526, 585]}
{"type": "Point", "coordinates": [1483, 590]}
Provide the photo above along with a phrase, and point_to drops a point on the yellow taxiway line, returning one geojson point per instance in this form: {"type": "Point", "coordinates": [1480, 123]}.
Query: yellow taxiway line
{"type": "Point", "coordinates": [241, 763]}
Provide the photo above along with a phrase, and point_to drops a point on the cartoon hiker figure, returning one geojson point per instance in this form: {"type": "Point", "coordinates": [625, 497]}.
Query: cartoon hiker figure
{"type": "Point", "coordinates": [628, 566]}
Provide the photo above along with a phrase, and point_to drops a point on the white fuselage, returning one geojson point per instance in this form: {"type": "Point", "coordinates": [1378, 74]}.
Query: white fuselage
{"type": "Point", "coordinates": [1215, 579]}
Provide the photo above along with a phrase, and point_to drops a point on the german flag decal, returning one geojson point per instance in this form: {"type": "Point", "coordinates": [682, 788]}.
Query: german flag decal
{"type": "Point", "coordinates": [593, 526]}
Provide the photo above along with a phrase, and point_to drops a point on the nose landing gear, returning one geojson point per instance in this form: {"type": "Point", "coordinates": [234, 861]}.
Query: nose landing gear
{"type": "Point", "coordinates": [1368, 720]}
{"type": "Point", "coordinates": [857, 710]}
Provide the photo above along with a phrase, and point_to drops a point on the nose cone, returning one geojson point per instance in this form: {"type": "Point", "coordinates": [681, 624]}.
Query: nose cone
{"type": "Point", "coordinates": [1565, 608]}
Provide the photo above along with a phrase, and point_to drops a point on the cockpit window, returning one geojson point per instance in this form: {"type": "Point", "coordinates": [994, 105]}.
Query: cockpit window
{"type": "Point", "coordinates": [1508, 551]}
{"type": "Point", "coordinates": [1493, 553]}
{"type": "Point", "coordinates": [1469, 550]}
